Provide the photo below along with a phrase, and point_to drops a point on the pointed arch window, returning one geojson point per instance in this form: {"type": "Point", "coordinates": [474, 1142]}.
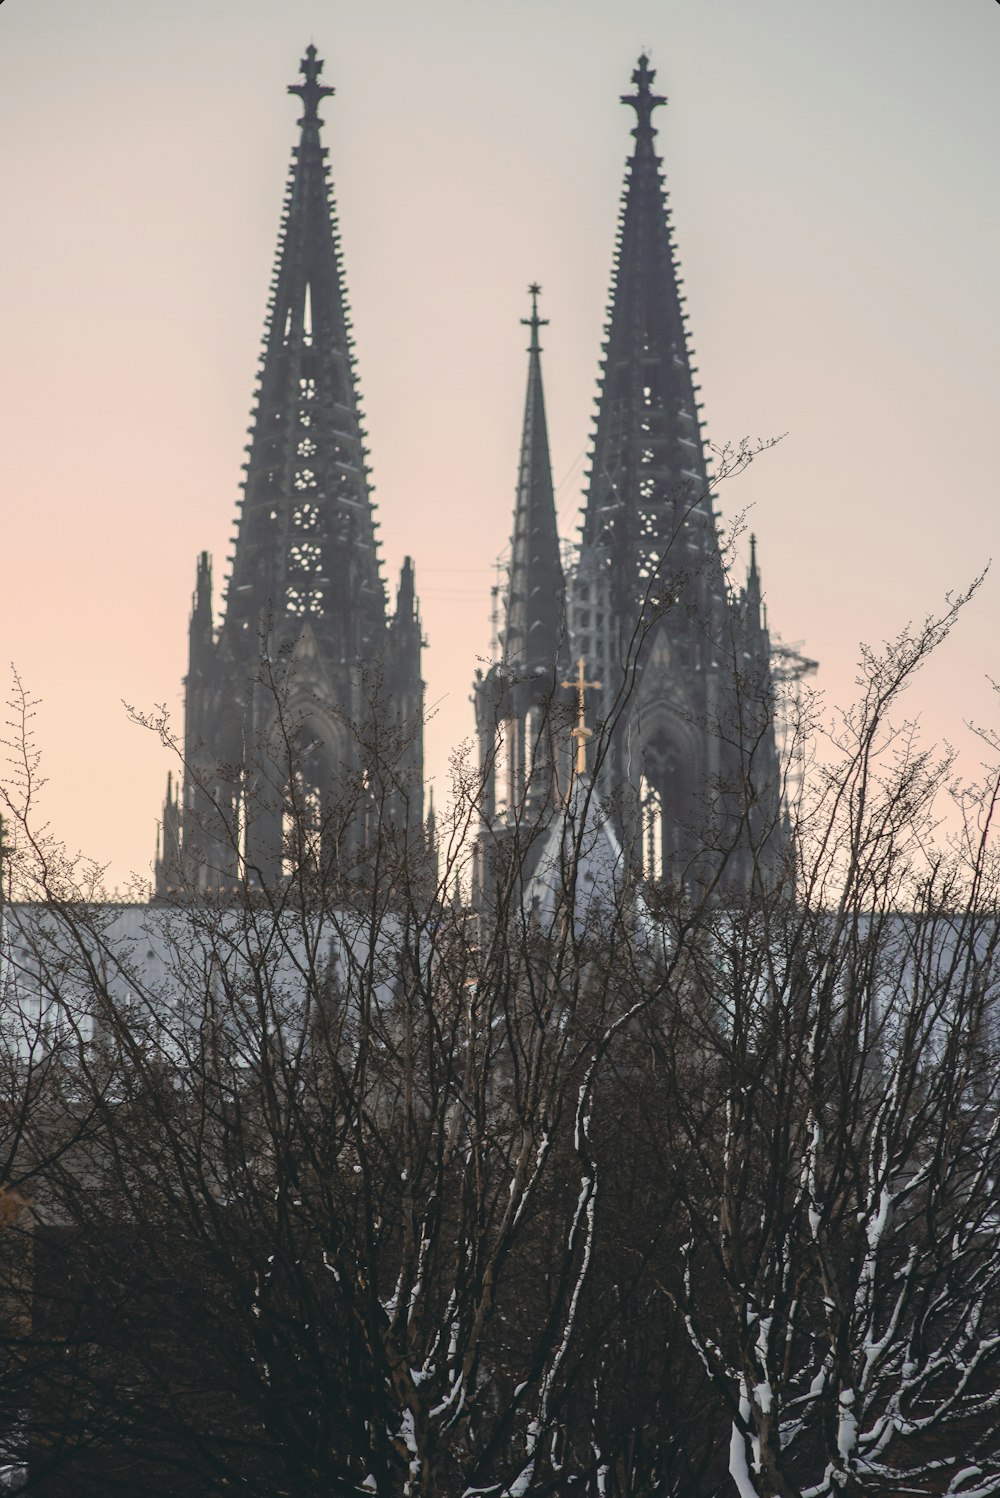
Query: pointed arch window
{"type": "Point", "coordinates": [502, 768]}
{"type": "Point", "coordinates": [307, 318]}
{"type": "Point", "coordinates": [651, 808]}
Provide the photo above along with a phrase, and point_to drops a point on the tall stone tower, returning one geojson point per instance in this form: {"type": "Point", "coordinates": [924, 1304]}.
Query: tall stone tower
{"type": "Point", "coordinates": [683, 756]}
{"type": "Point", "coordinates": [285, 699]}
{"type": "Point", "coordinates": [690, 765]}
{"type": "Point", "coordinates": [521, 718]}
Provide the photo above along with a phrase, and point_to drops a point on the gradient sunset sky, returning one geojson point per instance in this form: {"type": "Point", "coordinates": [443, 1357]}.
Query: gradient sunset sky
{"type": "Point", "coordinates": [833, 176]}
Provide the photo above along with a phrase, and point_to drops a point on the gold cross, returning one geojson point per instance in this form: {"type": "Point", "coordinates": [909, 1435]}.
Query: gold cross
{"type": "Point", "coordinates": [581, 733]}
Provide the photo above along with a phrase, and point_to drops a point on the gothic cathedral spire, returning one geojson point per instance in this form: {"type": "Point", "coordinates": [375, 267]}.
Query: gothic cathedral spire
{"type": "Point", "coordinates": [648, 471]}
{"type": "Point", "coordinates": [650, 603]}
{"type": "Point", "coordinates": [305, 546]}
{"type": "Point", "coordinates": [304, 634]}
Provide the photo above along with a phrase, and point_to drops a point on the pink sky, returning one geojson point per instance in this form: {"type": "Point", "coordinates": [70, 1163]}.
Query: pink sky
{"type": "Point", "coordinates": [833, 180]}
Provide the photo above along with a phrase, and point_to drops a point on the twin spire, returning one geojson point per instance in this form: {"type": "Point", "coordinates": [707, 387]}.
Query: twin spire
{"type": "Point", "coordinates": [305, 563]}
{"type": "Point", "coordinates": [307, 518]}
{"type": "Point", "coordinates": [648, 466]}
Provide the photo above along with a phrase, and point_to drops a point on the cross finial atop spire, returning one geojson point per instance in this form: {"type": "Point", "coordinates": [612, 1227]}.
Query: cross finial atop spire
{"type": "Point", "coordinates": [581, 733]}
{"type": "Point", "coordinates": [310, 91]}
{"type": "Point", "coordinates": [644, 101]}
{"type": "Point", "coordinates": [534, 322]}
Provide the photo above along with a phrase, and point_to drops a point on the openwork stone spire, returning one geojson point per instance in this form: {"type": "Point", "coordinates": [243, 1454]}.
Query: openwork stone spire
{"type": "Point", "coordinates": [648, 464]}
{"type": "Point", "coordinates": [305, 546]}
{"type": "Point", "coordinates": [279, 700]}
{"type": "Point", "coordinates": [535, 595]}
{"type": "Point", "coordinates": [650, 606]}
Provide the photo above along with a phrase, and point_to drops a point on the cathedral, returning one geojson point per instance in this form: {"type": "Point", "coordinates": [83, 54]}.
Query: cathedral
{"type": "Point", "coordinates": [632, 665]}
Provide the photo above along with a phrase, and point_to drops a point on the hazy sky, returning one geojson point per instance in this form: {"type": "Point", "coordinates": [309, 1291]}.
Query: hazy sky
{"type": "Point", "coordinates": [834, 184]}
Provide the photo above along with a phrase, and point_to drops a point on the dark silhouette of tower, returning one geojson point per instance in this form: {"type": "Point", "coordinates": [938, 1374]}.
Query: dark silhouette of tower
{"type": "Point", "coordinates": [522, 721]}
{"type": "Point", "coordinates": [690, 766]}
{"type": "Point", "coordinates": [304, 705]}
{"type": "Point", "coordinates": [306, 670]}
{"type": "Point", "coordinates": [684, 755]}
